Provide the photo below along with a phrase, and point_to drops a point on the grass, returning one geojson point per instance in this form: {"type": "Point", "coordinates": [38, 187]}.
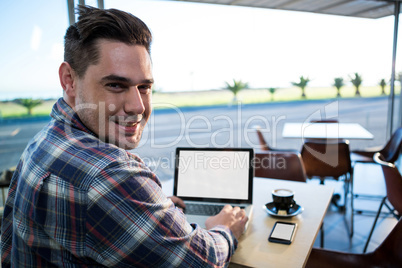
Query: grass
{"type": "Point", "coordinates": [10, 109]}
{"type": "Point", "coordinates": [224, 97]}
{"type": "Point", "coordinates": [214, 97]}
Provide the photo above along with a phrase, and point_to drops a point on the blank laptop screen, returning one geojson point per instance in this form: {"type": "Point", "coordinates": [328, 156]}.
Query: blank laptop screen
{"type": "Point", "coordinates": [215, 174]}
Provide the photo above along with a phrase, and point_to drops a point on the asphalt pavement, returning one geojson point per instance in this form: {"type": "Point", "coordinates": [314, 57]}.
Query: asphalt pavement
{"type": "Point", "coordinates": [221, 126]}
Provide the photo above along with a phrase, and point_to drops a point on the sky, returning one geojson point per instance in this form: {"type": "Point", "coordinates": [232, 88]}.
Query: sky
{"type": "Point", "coordinates": [201, 46]}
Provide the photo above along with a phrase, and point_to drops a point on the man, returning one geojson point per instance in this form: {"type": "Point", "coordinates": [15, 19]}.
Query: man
{"type": "Point", "coordinates": [77, 197]}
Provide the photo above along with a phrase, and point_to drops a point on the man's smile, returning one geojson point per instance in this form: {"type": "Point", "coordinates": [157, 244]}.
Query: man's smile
{"type": "Point", "coordinates": [128, 126]}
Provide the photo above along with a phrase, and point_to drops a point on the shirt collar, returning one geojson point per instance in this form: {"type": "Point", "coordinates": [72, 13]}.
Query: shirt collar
{"type": "Point", "coordinates": [63, 112]}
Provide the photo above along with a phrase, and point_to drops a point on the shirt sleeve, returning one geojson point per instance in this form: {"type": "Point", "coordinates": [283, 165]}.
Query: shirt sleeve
{"type": "Point", "coordinates": [131, 222]}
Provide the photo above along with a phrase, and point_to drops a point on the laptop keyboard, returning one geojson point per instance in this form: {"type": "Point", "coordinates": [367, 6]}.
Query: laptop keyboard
{"type": "Point", "coordinates": [204, 209]}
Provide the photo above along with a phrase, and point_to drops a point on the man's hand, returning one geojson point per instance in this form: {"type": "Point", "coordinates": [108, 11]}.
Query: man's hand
{"type": "Point", "coordinates": [178, 202]}
{"type": "Point", "coordinates": [232, 217]}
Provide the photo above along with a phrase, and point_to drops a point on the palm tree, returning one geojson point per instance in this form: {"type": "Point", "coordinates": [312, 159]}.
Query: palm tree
{"type": "Point", "coordinates": [28, 103]}
{"type": "Point", "coordinates": [382, 84]}
{"type": "Point", "coordinates": [272, 91]}
{"type": "Point", "coordinates": [236, 87]}
{"type": "Point", "coordinates": [302, 84]}
{"type": "Point", "coordinates": [356, 81]}
{"type": "Point", "coordinates": [338, 83]}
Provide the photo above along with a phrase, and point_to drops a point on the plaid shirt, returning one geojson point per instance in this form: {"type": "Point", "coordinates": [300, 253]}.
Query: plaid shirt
{"type": "Point", "coordinates": [75, 201]}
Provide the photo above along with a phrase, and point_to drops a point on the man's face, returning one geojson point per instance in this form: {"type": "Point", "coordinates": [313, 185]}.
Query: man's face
{"type": "Point", "coordinates": [113, 99]}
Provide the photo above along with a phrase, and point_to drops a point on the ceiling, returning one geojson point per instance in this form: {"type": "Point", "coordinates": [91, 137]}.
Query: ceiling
{"type": "Point", "coordinates": [372, 9]}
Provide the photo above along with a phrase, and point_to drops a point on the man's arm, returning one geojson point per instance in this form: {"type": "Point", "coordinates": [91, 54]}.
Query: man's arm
{"type": "Point", "coordinates": [232, 217]}
{"type": "Point", "coordinates": [131, 221]}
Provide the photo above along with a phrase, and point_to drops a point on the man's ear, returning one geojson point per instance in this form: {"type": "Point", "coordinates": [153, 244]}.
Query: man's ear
{"type": "Point", "coordinates": [67, 79]}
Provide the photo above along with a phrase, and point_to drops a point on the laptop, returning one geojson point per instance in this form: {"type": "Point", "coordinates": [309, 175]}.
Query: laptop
{"type": "Point", "coordinates": [206, 179]}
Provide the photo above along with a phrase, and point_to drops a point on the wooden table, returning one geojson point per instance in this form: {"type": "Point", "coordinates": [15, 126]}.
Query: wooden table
{"type": "Point", "coordinates": [254, 250]}
{"type": "Point", "coordinates": [326, 131]}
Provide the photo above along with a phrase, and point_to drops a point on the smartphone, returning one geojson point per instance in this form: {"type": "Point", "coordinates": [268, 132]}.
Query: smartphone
{"type": "Point", "coordinates": [283, 232]}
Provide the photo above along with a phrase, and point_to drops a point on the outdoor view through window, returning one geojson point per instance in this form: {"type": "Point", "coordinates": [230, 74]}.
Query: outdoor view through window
{"type": "Point", "coordinates": [217, 77]}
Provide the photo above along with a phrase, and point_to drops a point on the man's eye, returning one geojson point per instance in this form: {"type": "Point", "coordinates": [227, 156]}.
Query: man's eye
{"type": "Point", "coordinates": [113, 85]}
{"type": "Point", "coordinates": [145, 88]}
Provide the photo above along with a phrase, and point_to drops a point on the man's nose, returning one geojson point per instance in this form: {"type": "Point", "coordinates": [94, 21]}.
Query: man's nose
{"type": "Point", "coordinates": [133, 102]}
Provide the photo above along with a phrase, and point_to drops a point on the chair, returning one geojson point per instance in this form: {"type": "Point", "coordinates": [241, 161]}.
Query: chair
{"type": "Point", "coordinates": [388, 254]}
{"type": "Point", "coordinates": [390, 151]}
{"type": "Point", "coordinates": [393, 182]}
{"type": "Point", "coordinates": [327, 158]}
{"type": "Point", "coordinates": [324, 121]}
{"type": "Point", "coordinates": [279, 165]}
{"type": "Point", "coordinates": [5, 179]}
{"type": "Point", "coordinates": [330, 159]}
{"type": "Point", "coordinates": [265, 147]}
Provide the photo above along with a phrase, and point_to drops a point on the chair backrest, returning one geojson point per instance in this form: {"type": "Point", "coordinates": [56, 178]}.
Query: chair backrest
{"type": "Point", "coordinates": [265, 147]}
{"type": "Point", "coordinates": [279, 165]}
{"type": "Point", "coordinates": [389, 252]}
{"type": "Point", "coordinates": [263, 143]}
{"type": "Point", "coordinates": [393, 182]}
{"type": "Point", "coordinates": [324, 121]}
{"type": "Point", "coordinates": [326, 158]}
{"type": "Point", "coordinates": [392, 148]}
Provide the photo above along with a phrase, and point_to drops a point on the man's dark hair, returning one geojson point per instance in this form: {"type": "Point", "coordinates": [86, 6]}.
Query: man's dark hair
{"type": "Point", "coordinates": [80, 41]}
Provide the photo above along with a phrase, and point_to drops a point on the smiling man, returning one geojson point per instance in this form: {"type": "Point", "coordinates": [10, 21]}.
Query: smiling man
{"type": "Point", "coordinates": [113, 99]}
{"type": "Point", "coordinates": [78, 198]}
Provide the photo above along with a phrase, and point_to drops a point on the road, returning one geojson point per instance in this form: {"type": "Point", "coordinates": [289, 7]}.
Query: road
{"type": "Point", "coordinates": [220, 126]}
